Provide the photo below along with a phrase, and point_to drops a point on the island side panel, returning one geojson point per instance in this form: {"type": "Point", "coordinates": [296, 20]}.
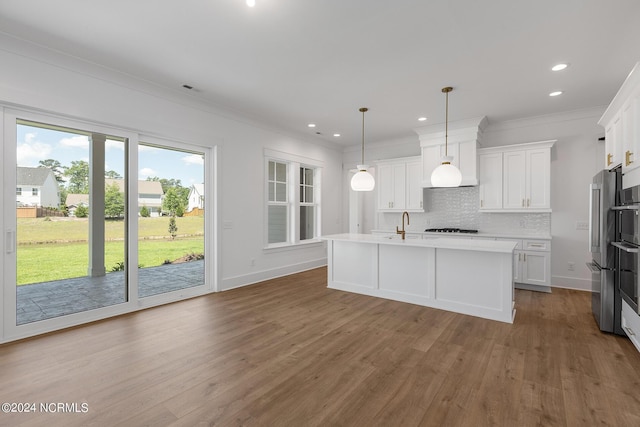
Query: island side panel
{"type": "Point", "coordinates": [353, 265]}
{"type": "Point", "coordinates": [406, 273]}
{"type": "Point", "coordinates": [475, 282]}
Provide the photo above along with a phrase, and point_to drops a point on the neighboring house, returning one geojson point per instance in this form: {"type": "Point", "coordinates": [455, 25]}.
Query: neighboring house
{"type": "Point", "coordinates": [149, 194]}
{"type": "Point", "coordinates": [74, 201]}
{"type": "Point", "coordinates": [196, 197]}
{"type": "Point", "coordinates": [37, 187]}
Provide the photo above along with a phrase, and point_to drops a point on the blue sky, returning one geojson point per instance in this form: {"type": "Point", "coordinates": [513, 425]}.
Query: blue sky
{"type": "Point", "coordinates": [35, 144]}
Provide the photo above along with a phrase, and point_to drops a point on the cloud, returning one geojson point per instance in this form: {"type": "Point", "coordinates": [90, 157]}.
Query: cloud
{"type": "Point", "coordinates": [110, 143]}
{"type": "Point", "coordinates": [31, 151]}
{"type": "Point", "coordinates": [77, 141]}
{"type": "Point", "coordinates": [194, 159]}
{"type": "Point", "coordinates": [145, 173]}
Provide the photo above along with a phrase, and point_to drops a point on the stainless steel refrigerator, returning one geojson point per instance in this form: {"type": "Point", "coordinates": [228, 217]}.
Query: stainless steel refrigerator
{"type": "Point", "coordinates": [605, 297]}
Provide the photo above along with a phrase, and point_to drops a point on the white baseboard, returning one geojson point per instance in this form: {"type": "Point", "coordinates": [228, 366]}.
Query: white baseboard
{"type": "Point", "coordinates": [228, 283]}
{"type": "Point", "coordinates": [571, 283]}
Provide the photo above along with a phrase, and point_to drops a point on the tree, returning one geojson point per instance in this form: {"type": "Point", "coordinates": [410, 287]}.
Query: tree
{"type": "Point", "coordinates": [78, 174]}
{"type": "Point", "coordinates": [82, 211]}
{"type": "Point", "coordinates": [113, 202]}
{"type": "Point", "coordinates": [173, 201]}
{"type": "Point", "coordinates": [173, 228]}
{"type": "Point", "coordinates": [112, 175]}
{"type": "Point", "coordinates": [144, 211]}
{"type": "Point", "coordinates": [55, 166]}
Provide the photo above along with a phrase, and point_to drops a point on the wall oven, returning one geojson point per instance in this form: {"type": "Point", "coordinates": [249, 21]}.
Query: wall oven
{"type": "Point", "coordinates": [628, 245]}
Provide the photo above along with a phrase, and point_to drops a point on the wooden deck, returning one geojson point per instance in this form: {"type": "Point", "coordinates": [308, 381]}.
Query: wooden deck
{"type": "Point", "coordinates": [290, 352]}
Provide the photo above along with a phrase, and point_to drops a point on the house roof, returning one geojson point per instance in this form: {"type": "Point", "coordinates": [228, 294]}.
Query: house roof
{"type": "Point", "coordinates": [32, 176]}
{"type": "Point", "coordinates": [77, 199]}
{"type": "Point", "coordinates": [144, 187]}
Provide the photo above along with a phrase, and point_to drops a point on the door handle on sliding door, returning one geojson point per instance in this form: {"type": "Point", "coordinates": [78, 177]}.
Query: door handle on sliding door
{"type": "Point", "coordinates": [10, 241]}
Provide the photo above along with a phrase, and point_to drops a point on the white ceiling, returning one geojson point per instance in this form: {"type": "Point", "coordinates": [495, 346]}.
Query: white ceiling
{"type": "Point", "coordinates": [291, 62]}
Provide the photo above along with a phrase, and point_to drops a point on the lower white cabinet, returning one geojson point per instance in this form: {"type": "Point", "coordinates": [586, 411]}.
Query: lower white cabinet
{"type": "Point", "coordinates": [532, 265]}
{"type": "Point", "coordinates": [631, 324]}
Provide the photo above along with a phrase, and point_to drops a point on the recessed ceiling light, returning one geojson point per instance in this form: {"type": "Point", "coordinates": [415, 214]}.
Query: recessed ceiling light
{"type": "Point", "coordinates": [311, 125]}
{"type": "Point", "coordinates": [336, 135]}
{"type": "Point", "coordinates": [251, 3]}
{"type": "Point", "coordinates": [559, 67]}
{"type": "Point", "coordinates": [422, 119]}
{"type": "Point", "coordinates": [556, 93]}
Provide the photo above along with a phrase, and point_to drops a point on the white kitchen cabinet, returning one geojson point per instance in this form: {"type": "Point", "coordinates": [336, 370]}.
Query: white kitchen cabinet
{"type": "Point", "coordinates": [621, 122]}
{"type": "Point", "coordinates": [525, 174]}
{"type": "Point", "coordinates": [613, 142]}
{"type": "Point", "coordinates": [532, 265]}
{"type": "Point", "coordinates": [399, 186]}
{"type": "Point", "coordinates": [631, 324]}
{"type": "Point", "coordinates": [490, 165]}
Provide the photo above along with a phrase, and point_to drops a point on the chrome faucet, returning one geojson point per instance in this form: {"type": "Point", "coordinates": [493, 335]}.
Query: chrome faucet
{"type": "Point", "coordinates": [402, 232]}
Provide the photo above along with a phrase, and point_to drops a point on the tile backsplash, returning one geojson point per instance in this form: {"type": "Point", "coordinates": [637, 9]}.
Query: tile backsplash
{"type": "Point", "coordinates": [458, 207]}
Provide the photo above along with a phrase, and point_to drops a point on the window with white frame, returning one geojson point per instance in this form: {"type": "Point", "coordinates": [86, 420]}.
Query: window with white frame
{"type": "Point", "coordinates": [293, 201]}
{"type": "Point", "coordinates": [307, 204]}
{"type": "Point", "coordinates": [278, 203]}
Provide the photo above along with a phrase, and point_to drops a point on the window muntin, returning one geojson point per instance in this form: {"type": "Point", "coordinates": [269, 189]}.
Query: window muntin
{"type": "Point", "coordinates": [292, 212]}
{"type": "Point", "coordinates": [278, 206]}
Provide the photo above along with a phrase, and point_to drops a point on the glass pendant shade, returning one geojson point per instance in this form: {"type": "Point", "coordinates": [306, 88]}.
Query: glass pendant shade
{"type": "Point", "coordinates": [362, 180]}
{"type": "Point", "coordinates": [446, 175]}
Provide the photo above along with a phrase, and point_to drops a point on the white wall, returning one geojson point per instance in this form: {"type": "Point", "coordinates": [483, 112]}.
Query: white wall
{"type": "Point", "coordinates": [575, 158]}
{"type": "Point", "coordinates": [39, 79]}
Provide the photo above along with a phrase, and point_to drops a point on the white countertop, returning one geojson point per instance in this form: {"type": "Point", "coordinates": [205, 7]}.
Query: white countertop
{"type": "Point", "coordinates": [479, 234]}
{"type": "Point", "coordinates": [457, 243]}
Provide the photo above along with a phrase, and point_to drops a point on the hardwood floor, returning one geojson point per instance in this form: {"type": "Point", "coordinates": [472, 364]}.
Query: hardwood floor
{"type": "Point", "coordinates": [290, 352]}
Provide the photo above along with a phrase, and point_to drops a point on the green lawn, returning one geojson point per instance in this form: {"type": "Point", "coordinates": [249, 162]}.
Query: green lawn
{"type": "Point", "coordinates": [58, 249]}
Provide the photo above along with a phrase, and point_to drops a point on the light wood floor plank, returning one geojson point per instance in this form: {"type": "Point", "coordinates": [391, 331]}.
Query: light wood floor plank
{"type": "Point", "coordinates": [290, 352]}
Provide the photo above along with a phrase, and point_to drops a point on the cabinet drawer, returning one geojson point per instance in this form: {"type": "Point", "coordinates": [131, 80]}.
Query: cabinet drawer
{"type": "Point", "coordinates": [537, 245]}
{"type": "Point", "coordinates": [631, 324]}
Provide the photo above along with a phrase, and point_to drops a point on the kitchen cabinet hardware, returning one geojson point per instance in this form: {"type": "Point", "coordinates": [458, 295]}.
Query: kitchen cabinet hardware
{"type": "Point", "coordinates": [627, 158]}
{"type": "Point", "coordinates": [609, 157]}
{"type": "Point", "coordinates": [629, 331]}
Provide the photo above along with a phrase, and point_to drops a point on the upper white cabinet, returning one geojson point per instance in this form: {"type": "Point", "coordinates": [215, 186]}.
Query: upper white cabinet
{"type": "Point", "coordinates": [516, 178]}
{"type": "Point", "coordinates": [621, 122]}
{"type": "Point", "coordinates": [399, 185]}
{"type": "Point", "coordinates": [463, 142]}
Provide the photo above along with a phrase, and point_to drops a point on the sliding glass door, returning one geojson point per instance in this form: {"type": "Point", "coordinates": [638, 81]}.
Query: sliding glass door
{"type": "Point", "coordinates": [171, 220]}
{"type": "Point", "coordinates": [96, 223]}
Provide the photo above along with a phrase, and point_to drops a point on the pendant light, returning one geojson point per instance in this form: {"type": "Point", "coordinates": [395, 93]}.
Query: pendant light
{"type": "Point", "coordinates": [446, 175]}
{"type": "Point", "coordinates": [363, 180]}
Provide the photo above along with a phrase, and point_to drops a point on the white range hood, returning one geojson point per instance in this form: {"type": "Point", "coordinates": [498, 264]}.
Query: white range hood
{"type": "Point", "coordinates": [464, 139]}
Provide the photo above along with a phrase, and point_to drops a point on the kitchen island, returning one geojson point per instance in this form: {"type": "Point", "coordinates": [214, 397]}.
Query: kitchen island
{"type": "Point", "coordinates": [473, 277]}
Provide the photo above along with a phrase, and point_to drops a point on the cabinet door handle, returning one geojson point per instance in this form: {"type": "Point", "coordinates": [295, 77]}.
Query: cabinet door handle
{"type": "Point", "coordinates": [627, 158]}
{"type": "Point", "coordinates": [523, 203]}
{"type": "Point", "coordinates": [609, 156]}
{"type": "Point", "coordinates": [519, 256]}
{"type": "Point", "coordinates": [524, 257]}
{"type": "Point", "coordinates": [528, 202]}
{"type": "Point", "coordinates": [481, 203]}
{"type": "Point", "coordinates": [536, 245]}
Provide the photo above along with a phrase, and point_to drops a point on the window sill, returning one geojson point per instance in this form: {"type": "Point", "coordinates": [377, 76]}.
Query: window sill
{"type": "Point", "coordinates": [312, 243]}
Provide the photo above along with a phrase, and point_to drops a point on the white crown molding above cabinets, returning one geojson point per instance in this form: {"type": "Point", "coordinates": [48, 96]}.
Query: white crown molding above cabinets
{"type": "Point", "coordinates": [621, 122]}
{"type": "Point", "coordinates": [515, 178]}
{"type": "Point", "coordinates": [464, 138]}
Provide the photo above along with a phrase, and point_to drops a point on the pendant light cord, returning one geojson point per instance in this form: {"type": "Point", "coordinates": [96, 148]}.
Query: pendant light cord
{"type": "Point", "coordinates": [446, 90]}
{"type": "Point", "coordinates": [363, 110]}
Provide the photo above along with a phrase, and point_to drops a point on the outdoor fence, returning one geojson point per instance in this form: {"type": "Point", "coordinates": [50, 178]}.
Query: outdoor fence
{"type": "Point", "coordinates": [195, 212]}
{"type": "Point", "coordinates": [36, 212]}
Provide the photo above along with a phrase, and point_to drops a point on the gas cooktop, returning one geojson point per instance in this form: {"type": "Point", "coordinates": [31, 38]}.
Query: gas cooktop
{"type": "Point", "coordinates": [449, 230]}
